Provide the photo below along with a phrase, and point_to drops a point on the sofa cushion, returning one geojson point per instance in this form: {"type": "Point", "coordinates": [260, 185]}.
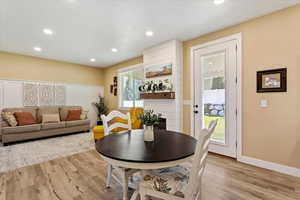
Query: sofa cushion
{"type": "Point", "coordinates": [32, 110]}
{"type": "Point", "coordinates": [21, 129]}
{"type": "Point", "coordinates": [63, 111]}
{"type": "Point", "coordinates": [73, 115]}
{"type": "Point", "coordinates": [53, 125]}
{"type": "Point", "coordinates": [77, 123]}
{"type": "Point", "coordinates": [46, 110]}
{"type": "Point", "coordinates": [10, 118]}
{"type": "Point", "coordinates": [24, 118]}
{"type": "Point", "coordinates": [51, 118]}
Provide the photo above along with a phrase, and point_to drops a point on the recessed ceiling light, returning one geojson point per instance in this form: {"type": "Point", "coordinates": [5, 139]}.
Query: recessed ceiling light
{"type": "Point", "coordinates": [92, 59]}
{"type": "Point", "coordinates": [114, 50]}
{"type": "Point", "coordinates": [218, 2]}
{"type": "Point", "coordinates": [149, 33]}
{"type": "Point", "coordinates": [39, 49]}
{"type": "Point", "coordinates": [48, 31]}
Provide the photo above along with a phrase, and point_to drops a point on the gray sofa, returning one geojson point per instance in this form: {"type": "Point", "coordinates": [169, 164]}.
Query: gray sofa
{"type": "Point", "coordinates": [19, 133]}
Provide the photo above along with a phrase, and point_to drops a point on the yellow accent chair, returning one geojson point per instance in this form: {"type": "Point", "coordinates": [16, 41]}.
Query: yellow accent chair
{"type": "Point", "coordinates": [135, 123]}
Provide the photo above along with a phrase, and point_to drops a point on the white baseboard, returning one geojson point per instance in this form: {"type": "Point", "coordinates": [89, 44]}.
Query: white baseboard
{"type": "Point", "coordinates": [270, 165]}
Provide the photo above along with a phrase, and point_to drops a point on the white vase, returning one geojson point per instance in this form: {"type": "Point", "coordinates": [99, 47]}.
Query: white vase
{"type": "Point", "coordinates": [148, 133]}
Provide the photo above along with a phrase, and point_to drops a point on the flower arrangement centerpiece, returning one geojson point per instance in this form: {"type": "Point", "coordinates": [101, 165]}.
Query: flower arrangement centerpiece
{"type": "Point", "coordinates": [149, 119]}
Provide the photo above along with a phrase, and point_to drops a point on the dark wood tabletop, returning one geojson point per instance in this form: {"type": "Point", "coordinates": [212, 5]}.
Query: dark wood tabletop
{"type": "Point", "coordinates": [130, 146]}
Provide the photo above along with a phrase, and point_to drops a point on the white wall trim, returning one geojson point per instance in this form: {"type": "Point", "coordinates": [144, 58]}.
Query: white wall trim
{"type": "Point", "coordinates": [270, 165]}
{"type": "Point", "coordinates": [238, 38]}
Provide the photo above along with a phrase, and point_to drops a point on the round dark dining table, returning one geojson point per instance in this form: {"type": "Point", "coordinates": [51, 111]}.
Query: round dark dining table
{"type": "Point", "coordinates": [128, 149]}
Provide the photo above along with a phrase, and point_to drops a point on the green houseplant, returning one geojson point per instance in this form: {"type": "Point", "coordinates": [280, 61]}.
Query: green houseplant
{"type": "Point", "coordinates": [149, 119]}
{"type": "Point", "coordinates": [101, 108]}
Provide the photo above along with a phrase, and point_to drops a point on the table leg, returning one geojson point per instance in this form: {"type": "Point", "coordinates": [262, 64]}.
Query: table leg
{"type": "Point", "coordinates": [125, 184]}
{"type": "Point", "coordinates": [108, 176]}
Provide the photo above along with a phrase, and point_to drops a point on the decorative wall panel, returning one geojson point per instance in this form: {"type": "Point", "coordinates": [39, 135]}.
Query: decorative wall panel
{"type": "Point", "coordinates": [46, 95]}
{"type": "Point", "coordinates": [30, 94]}
{"type": "Point", "coordinates": [60, 95]}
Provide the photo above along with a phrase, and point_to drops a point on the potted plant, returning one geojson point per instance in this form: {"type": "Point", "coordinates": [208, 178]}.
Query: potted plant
{"type": "Point", "coordinates": [149, 119]}
{"type": "Point", "coordinates": [102, 109]}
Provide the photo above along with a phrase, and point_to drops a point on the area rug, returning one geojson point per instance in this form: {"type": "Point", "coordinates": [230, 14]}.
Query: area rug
{"type": "Point", "coordinates": [29, 153]}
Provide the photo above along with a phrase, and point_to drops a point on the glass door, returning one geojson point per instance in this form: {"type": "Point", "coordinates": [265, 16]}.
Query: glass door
{"type": "Point", "coordinates": [215, 95]}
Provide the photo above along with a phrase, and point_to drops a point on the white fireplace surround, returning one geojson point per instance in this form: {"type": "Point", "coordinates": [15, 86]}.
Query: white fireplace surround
{"type": "Point", "coordinates": [171, 109]}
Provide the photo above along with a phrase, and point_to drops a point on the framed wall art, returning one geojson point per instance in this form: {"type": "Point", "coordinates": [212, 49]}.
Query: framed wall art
{"type": "Point", "coordinates": [274, 80]}
{"type": "Point", "coordinates": [30, 94]}
{"type": "Point", "coordinates": [158, 70]}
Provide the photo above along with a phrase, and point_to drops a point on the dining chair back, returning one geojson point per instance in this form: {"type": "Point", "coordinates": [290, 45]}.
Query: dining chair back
{"type": "Point", "coordinates": [172, 185]}
{"type": "Point", "coordinates": [108, 127]}
{"type": "Point", "coordinates": [122, 174]}
{"type": "Point", "coordinates": [199, 161]}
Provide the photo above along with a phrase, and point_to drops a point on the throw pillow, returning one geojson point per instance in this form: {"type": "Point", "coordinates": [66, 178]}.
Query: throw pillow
{"type": "Point", "coordinates": [10, 118]}
{"type": "Point", "coordinates": [50, 118]}
{"type": "Point", "coordinates": [73, 115]}
{"type": "Point", "coordinates": [24, 118]}
{"type": "Point", "coordinates": [83, 115]}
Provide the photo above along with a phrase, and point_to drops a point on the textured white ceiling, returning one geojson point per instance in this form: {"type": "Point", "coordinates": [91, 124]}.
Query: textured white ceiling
{"type": "Point", "coordinates": [85, 29]}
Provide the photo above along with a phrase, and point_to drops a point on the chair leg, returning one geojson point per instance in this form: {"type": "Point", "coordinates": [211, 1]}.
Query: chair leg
{"type": "Point", "coordinates": [143, 195]}
{"type": "Point", "coordinates": [125, 185]}
{"type": "Point", "coordinates": [108, 176]}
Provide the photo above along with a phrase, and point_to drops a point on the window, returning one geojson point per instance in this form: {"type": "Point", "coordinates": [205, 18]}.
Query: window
{"type": "Point", "coordinates": [129, 81]}
{"type": "Point", "coordinates": [214, 83]}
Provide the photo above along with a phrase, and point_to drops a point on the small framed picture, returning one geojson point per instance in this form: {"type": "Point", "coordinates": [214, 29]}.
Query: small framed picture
{"type": "Point", "coordinates": [274, 80]}
{"type": "Point", "coordinates": [115, 81]}
{"type": "Point", "coordinates": [111, 89]}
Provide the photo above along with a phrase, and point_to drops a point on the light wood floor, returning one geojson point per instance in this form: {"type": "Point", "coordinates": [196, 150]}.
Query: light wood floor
{"type": "Point", "coordinates": [82, 176]}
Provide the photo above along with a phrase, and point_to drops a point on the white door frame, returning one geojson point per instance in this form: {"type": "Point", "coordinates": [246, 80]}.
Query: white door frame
{"type": "Point", "coordinates": [238, 38]}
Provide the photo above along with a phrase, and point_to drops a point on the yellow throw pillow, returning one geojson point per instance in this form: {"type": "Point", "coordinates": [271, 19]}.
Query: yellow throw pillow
{"type": "Point", "coordinates": [135, 122]}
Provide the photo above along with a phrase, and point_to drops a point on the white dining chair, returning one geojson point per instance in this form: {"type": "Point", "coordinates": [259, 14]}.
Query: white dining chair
{"type": "Point", "coordinates": [122, 173]}
{"type": "Point", "coordinates": [179, 183]}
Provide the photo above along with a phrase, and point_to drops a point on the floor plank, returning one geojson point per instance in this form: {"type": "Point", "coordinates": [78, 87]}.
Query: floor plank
{"type": "Point", "coordinates": [82, 176]}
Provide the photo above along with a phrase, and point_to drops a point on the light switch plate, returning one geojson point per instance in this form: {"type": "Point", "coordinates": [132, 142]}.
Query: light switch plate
{"type": "Point", "coordinates": [263, 103]}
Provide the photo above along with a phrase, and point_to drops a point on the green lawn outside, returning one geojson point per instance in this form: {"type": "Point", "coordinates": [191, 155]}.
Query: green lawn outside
{"type": "Point", "coordinates": [219, 133]}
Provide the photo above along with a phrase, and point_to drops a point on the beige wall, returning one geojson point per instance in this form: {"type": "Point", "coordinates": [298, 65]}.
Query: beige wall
{"type": "Point", "coordinates": [109, 73]}
{"type": "Point", "coordinates": [18, 67]}
{"type": "Point", "coordinates": [272, 41]}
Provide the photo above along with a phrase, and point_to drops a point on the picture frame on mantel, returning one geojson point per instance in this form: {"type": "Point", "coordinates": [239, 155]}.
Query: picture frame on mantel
{"type": "Point", "coordinates": [274, 80]}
